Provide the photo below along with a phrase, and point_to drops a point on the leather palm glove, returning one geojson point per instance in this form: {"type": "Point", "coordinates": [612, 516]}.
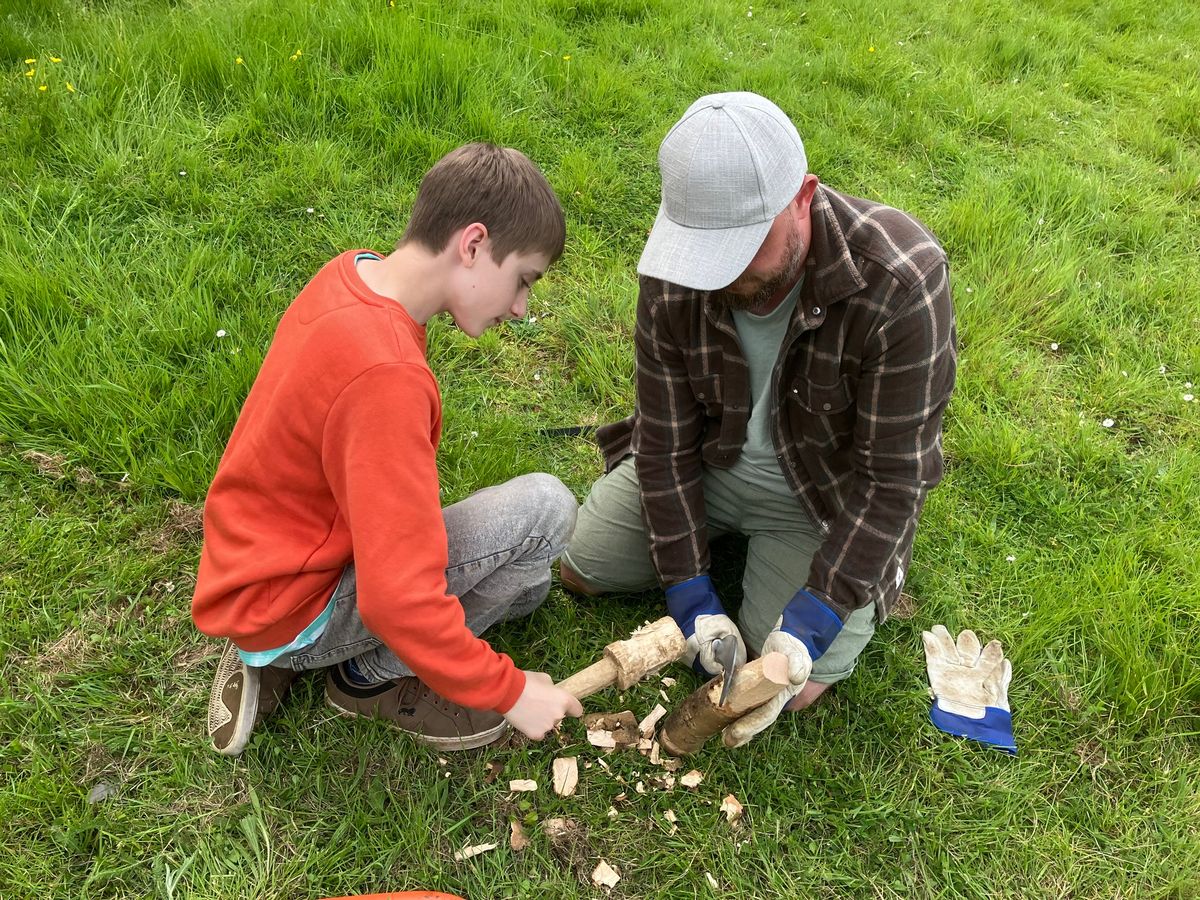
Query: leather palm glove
{"type": "Point", "coordinates": [696, 608]}
{"type": "Point", "coordinates": [970, 688]}
{"type": "Point", "coordinates": [804, 632]}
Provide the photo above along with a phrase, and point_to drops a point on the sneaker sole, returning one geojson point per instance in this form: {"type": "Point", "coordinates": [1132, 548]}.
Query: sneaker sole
{"type": "Point", "coordinates": [229, 666]}
{"type": "Point", "coordinates": [470, 742]}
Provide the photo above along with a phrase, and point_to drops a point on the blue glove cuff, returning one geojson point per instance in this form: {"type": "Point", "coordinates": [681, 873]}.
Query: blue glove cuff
{"type": "Point", "coordinates": [994, 729]}
{"type": "Point", "coordinates": [812, 622]}
{"type": "Point", "coordinates": [691, 598]}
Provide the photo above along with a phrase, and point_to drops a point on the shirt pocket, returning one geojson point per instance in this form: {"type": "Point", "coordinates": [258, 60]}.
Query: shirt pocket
{"type": "Point", "coordinates": [822, 399]}
{"type": "Point", "coordinates": [822, 414]}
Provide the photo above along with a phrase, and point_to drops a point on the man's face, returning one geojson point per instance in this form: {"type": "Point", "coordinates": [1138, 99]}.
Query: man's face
{"type": "Point", "coordinates": [777, 263]}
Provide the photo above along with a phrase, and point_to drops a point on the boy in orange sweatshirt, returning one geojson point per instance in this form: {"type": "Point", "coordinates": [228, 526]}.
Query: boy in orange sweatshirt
{"type": "Point", "coordinates": [325, 545]}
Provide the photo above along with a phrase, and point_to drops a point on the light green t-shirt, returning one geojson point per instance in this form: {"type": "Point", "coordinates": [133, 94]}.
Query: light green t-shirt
{"type": "Point", "coordinates": [761, 338]}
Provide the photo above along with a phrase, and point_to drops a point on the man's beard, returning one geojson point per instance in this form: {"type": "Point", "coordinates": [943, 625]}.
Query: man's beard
{"type": "Point", "coordinates": [794, 255]}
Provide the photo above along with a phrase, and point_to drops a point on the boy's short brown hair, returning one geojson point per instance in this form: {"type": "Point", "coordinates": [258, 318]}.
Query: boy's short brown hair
{"type": "Point", "coordinates": [497, 186]}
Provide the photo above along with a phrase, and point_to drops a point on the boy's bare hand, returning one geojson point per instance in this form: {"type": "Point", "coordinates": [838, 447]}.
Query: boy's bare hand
{"type": "Point", "coordinates": [541, 706]}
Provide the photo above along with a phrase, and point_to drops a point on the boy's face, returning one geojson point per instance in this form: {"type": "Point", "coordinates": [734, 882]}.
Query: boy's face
{"type": "Point", "coordinates": [493, 292]}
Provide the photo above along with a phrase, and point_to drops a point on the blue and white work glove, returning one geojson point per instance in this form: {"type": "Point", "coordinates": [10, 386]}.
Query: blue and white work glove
{"type": "Point", "coordinates": [696, 608]}
{"type": "Point", "coordinates": [970, 688]}
{"type": "Point", "coordinates": [804, 632]}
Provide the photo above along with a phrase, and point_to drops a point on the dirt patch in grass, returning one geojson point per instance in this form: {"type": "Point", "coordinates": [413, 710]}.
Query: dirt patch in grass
{"type": "Point", "coordinates": [1091, 754]}
{"type": "Point", "coordinates": [182, 524]}
{"type": "Point", "coordinates": [51, 465]}
{"type": "Point", "coordinates": [905, 606]}
{"type": "Point", "coordinates": [570, 846]}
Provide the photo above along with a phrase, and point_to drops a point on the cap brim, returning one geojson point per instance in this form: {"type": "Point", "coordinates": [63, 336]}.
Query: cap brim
{"type": "Point", "coordinates": [703, 259]}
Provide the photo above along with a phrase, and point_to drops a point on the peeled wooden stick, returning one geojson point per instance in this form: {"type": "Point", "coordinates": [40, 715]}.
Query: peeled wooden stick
{"type": "Point", "coordinates": [699, 717]}
{"type": "Point", "coordinates": [626, 662]}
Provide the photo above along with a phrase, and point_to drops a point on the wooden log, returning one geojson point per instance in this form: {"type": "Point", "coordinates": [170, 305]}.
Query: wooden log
{"type": "Point", "coordinates": [699, 717]}
{"type": "Point", "coordinates": [626, 662]}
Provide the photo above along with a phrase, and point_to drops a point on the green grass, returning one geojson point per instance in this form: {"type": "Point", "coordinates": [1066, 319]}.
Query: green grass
{"type": "Point", "coordinates": [1053, 147]}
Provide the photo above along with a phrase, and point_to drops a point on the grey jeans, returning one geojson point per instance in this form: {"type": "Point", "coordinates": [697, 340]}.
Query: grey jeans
{"type": "Point", "coordinates": [502, 541]}
{"type": "Point", "coordinates": [610, 550]}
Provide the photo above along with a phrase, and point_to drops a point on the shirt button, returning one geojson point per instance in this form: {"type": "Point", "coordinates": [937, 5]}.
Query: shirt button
{"type": "Point", "coordinates": [701, 395]}
{"type": "Point", "coordinates": [816, 310]}
{"type": "Point", "coordinates": [827, 407]}
{"type": "Point", "coordinates": [795, 390]}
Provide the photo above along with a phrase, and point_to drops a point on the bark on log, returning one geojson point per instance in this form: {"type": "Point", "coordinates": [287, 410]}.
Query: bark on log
{"type": "Point", "coordinates": [699, 717]}
{"type": "Point", "coordinates": [627, 662]}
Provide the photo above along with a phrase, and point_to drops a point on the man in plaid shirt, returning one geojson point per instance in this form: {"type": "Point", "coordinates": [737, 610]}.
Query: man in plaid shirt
{"type": "Point", "coordinates": [795, 352]}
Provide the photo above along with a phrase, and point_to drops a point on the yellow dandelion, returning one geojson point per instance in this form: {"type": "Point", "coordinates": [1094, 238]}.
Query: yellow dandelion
{"type": "Point", "coordinates": [56, 59]}
{"type": "Point", "coordinates": [70, 88]}
{"type": "Point", "coordinates": [392, 3]}
{"type": "Point", "coordinates": [30, 62]}
{"type": "Point", "coordinates": [42, 87]}
{"type": "Point", "coordinates": [567, 58]}
{"type": "Point", "coordinates": [239, 61]}
{"type": "Point", "coordinates": [31, 73]}
{"type": "Point", "coordinates": [295, 56]}
{"type": "Point", "coordinates": [870, 49]}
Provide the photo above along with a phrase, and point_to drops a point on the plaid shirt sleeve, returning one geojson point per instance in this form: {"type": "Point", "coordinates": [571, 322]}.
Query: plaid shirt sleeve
{"type": "Point", "coordinates": [906, 380]}
{"type": "Point", "coordinates": [667, 442]}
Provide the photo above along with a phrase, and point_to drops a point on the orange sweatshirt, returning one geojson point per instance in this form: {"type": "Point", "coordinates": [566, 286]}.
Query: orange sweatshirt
{"type": "Point", "coordinates": [333, 459]}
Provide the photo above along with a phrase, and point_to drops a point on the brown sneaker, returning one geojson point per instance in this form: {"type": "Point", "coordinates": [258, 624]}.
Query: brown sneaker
{"type": "Point", "coordinates": [241, 697]}
{"type": "Point", "coordinates": [411, 706]}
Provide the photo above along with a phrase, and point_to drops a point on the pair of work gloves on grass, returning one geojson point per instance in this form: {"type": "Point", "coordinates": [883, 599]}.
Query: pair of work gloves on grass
{"type": "Point", "coordinates": [804, 631]}
{"type": "Point", "coordinates": [969, 683]}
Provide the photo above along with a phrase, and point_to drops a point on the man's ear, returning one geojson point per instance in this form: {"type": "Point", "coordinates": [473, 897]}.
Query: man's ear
{"type": "Point", "coordinates": [472, 241]}
{"type": "Point", "coordinates": [807, 188]}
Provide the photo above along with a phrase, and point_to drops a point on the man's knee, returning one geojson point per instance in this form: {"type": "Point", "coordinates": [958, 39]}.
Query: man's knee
{"type": "Point", "coordinates": [574, 582]}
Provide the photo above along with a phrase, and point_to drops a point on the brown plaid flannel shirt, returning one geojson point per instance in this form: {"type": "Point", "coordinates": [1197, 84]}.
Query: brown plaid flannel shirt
{"type": "Point", "coordinates": [865, 370]}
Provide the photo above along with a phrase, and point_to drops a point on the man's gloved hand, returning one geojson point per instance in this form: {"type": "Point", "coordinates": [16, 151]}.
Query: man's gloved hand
{"type": "Point", "coordinates": [970, 687]}
{"type": "Point", "coordinates": [804, 632]}
{"type": "Point", "coordinates": [696, 608]}
{"type": "Point", "coordinates": [799, 668]}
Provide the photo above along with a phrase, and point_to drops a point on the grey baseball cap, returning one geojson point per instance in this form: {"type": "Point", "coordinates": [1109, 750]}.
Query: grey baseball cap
{"type": "Point", "coordinates": [729, 167]}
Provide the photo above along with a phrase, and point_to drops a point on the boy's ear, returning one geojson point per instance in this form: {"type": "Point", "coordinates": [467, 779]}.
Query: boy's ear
{"type": "Point", "coordinates": [472, 241]}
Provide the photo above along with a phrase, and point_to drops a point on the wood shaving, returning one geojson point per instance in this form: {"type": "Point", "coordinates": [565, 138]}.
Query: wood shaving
{"type": "Point", "coordinates": [668, 681]}
{"type": "Point", "coordinates": [602, 739]}
{"type": "Point", "coordinates": [691, 779]}
{"type": "Point", "coordinates": [621, 796]}
{"type": "Point", "coordinates": [645, 745]}
{"type": "Point", "coordinates": [655, 754]}
{"type": "Point", "coordinates": [522, 784]}
{"type": "Point", "coordinates": [517, 838]}
{"type": "Point", "coordinates": [566, 775]}
{"type": "Point", "coordinates": [605, 875]}
{"type": "Point", "coordinates": [493, 770]}
{"type": "Point", "coordinates": [623, 727]}
{"type": "Point", "coordinates": [612, 812]}
{"type": "Point", "coordinates": [712, 882]}
{"type": "Point", "coordinates": [672, 764]}
{"type": "Point", "coordinates": [732, 808]}
{"type": "Point", "coordinates": [647, 725]}
{"type": "Point", "coordinates": [663, 694]}
{"type": "Point", "coordinates": [669, 815]}
{"type": "Point", "coordinates": [666, 782]}
{"type": "Point", "coordinates": [468, 852]}
{"type": "Point", "coordinates": [640, 787]}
